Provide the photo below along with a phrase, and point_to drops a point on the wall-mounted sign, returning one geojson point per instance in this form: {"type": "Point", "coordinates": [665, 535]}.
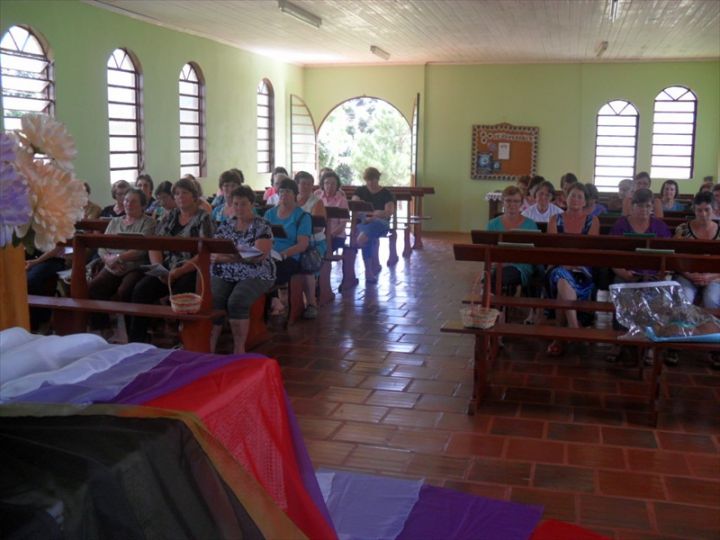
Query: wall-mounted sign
{"type": "Point", "coordinates": [503, 152]}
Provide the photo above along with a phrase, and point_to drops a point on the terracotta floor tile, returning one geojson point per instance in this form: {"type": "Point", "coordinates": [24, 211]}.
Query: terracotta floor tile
{"type": "Point", "coordinates": [347, 395]}
{"type": "Point", "coordinates": [313, 407]}
{"type": "Point", "coordinates": [302, 390]}
{"type": "Point", "coordinates": [596, 456]}
{"type": "Point", "coordinates": [529, 395]}
{"type": "Point", "coordinates": [473, 444]}
{"type": "Point", "coordinates": [329, 364]}
{"type": "Point", "coordinates": [687, 443]}
{"type": "Point", "coordinates": [597, 416]}
{"type": "Point", "coordinates": [517, 427]}
{"type": "Point", "coordinates": [371, 457]}
{"type": "Point", "coordinates": [500, 472]}
{"type": "Point", "coordinates": [704, 466]}
{"type": "Point", "coordinates": [591, 385]}
{"type": "Point", "coordinates": [368, 368]}
{"type": "Point", "coordinates": [377, 382]}
{"type": "Point", "coordinates": [328, 452]}
{"type": "Point", "coordinates": [685, 521]}
{"type": "Point", "coordinates": [545, 381]}
{"type": "Point", "coordinates": [627, 484]}
{"type": "Point", "coordinates": [317, 428]}
{"type": "Point", "coordinates": [299, 375]}
{"type": "Point", "coordinates": [629, 437]}
{"type": "Point", "coordinates": [417, 372]}
{"type": "Point", "coordinates": [431, 402]}
{"type": "Point", "coordinates": [464, 422]}
{"type": "Point", "coordinates": [657, 461]}
{"type": "Point", "coordinates": [545, 412]}
{"type": "Point", "coordinates": [532, 450]}
{"type": "Point", "coordinates": [560, 477]}
{"type": "Point", "coordinates": [420, 440]}
{"type": "Point", "coordinates": [443, 388]}
{"type": "Point", "coordinates": [334, 378]}
{"type": "Point", "coordinates": [365, 355]}
{"type": "Point", "coordinates": [431, 465]}
{"type": "Point", "coordinates": [693, 491]}
{"type": "Point", "coordinates": [577, 399]}
{"type": "Point", "coordinates": [573, 432]}
{"type": "Point", "coordinates": [393, 399]}
{"type": "Point", "coordinates": [557, 505]}
{"type": "Point", "coordinates": [455, 374]}
{"type": "Point", "coordinates": [613, 512]}
{"type": "Point", "coordinates": [360, 413]}
{"type": "Point", "coordinates": [412, 418]}
{"type": "Point", "coordinates": [376, 434]}
{"type": "Point", "coordinates": [499, 408]}
{"type": "Point", "coordinates": [491, 491]}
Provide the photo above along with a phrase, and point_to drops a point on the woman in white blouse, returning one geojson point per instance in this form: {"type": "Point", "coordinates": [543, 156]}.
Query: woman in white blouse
{"type": "Point", "coordinates": [543, 209]}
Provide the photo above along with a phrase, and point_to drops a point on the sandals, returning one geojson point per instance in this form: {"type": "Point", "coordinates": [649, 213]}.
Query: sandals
{"type": "Point", "coordinates": [556, 348]}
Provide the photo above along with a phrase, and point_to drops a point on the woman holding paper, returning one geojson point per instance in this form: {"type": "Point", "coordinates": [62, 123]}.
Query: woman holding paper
{"type": "Point", "coordinates": [238, 279]}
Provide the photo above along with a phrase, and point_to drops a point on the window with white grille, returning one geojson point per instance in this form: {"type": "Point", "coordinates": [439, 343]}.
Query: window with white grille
{"type": "Point", "coordinates": [414, 138]}
{"type": "Point", "coordinates": [27, 76]}
{"type": "Point", "coordinates": [192, 121]}
{"type": "Point", "coordinates": [265, 127]}
{"type": "Point", "coordinates": [673, 140]}
{"type": "Point", "coordinates": [124, 83]}
{"type": "Point", "coordinates": [615, 144]}
{"type": "Point", "coordinates": [303, 141]}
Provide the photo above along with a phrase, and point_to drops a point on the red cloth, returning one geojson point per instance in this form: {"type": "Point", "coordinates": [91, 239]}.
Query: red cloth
{"type": "Point", "coordinates": [552, 529]}
{"type": "Point", "coordinates": [243, 406]}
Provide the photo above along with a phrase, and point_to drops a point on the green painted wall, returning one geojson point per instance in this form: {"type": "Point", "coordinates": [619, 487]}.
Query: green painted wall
{"type": "Point", "coordinates": [562, 100]}
{"type": "Point", "coordinates": [82, 37]}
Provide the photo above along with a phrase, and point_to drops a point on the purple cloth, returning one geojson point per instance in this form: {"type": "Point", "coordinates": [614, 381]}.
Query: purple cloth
{"type": "Point", "coordinates": [657, 227]}
{"type": "Point", "coordinates": [177, 370]}
{"type": "Point", "coordinates": [443, 513]}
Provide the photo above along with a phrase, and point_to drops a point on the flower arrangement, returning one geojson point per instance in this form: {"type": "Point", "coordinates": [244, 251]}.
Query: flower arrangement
{"type": "Point", "coordinates": [41, 197]}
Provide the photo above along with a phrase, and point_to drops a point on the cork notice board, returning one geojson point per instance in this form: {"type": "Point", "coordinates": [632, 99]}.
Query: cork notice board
{"type": "Point", "coordinates": [503, 152]}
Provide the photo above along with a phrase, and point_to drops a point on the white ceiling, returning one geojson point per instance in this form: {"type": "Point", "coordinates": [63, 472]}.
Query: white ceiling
{"type": "Point", "coordinates": [447, 31]}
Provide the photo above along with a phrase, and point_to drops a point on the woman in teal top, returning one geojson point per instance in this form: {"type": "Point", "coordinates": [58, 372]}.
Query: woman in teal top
{"type": "Point", "coordinates": [513, 274]}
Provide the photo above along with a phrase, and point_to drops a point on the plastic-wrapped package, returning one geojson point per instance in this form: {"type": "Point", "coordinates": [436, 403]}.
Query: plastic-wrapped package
{"type": "Point", "coordinates": [660, 311]}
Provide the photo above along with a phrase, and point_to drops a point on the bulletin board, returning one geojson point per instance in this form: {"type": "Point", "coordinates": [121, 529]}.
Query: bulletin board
{"type": "Point", "coordinates": [503, 152]}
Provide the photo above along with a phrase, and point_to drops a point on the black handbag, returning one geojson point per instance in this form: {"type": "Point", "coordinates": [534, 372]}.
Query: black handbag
{"type": "Point", "coordinates": [310, 260]}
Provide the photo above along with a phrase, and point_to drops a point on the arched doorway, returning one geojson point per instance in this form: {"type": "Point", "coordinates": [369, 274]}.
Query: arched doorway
{"type": "Point", "coordinates": [366, 132]}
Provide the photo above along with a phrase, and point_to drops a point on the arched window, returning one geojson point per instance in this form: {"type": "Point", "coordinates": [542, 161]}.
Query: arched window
{"type": "Point", "coordinates": [27, 76]}
{"type": "Point", "coordinates": [125, 119]}
{"type": "Point", "coordinates": [265, 127]}
{"type": "Point", "coordinates": [673, 141]}
{"type": "Point", "coordinates": [415, 130]}
{"type": "Point", "coordinates": [192, 121]}
{"type": "Point", "coordinates": [303, 141]}
{"type": "Point", "coordinates": [615, 144]}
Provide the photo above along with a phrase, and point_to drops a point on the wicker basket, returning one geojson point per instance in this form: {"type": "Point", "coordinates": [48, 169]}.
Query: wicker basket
{"type": "Point", "coordinates": [187, 302]}
{"type": "Point", "coordinates": [479, 315]}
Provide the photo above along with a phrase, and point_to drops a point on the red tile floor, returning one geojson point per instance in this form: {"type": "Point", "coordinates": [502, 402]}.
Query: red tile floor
{"type": "Point", "coordinates": [378, 388]}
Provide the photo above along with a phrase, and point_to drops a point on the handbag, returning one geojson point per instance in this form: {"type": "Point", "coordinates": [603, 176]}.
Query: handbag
{"type": "Point", "coordinates": [310, 260]}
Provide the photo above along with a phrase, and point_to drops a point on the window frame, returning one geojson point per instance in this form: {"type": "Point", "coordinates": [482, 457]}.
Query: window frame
{"type": "Point", "coordinates": [634, 147]}
{"type": "Point", "coordinates": [692, 134]}
{"type": "Point", "coordinates": [201, 123]}
{"type": "Point", "coordinates": [138, 121]}
{"type": "Point", "coordinates": [48, 73]}
{"type": "Point", "coordinates": [265, 88]}
{"type": "Point", "coordinates": [299, 103]}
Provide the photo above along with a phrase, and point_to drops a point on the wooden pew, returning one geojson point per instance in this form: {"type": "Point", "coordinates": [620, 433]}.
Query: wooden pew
{"type": "Point", "coordinates": [325, 293]}
{"type": "Point", "coordinates": [486, 340]}
{"type": "Point", "coordinates": [195, 332]}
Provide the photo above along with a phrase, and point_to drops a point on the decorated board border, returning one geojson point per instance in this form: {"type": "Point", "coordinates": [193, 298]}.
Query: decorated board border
{"type": "Point", "coordinates": [503, 152]}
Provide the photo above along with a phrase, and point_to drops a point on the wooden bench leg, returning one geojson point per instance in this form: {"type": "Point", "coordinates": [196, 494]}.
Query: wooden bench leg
{"type": "Point", "coordinates": [295, 298]}
{"type": "Point", "coordinates": [482, 346]}
{"type": "Point", "coordinates": [257, 332]}
{"type": "Point", "coordinates": [393, 258]}
{"type": "Point", "coordinates": [349, 279]}
{"type": "Point", "coordinates": [418, 236]}
{"type": "Point", "coordinates": [325, 294]}
{"type": "Point", "coordinates": [195, 335]}
{"type": "Point", "coordinates": [655, 385]}
{"type": "Point", "coordinates": [407, 248]}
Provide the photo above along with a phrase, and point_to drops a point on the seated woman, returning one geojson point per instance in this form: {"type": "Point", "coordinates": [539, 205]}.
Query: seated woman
{"type": "Point", "coordinates": [571, 282]}
{"type": "Point", "coordinates": [566, 180]}
{"type": "Point", "coordinates": [118, 191]}
{"type": "Point", "coordinates": [513, 274]}
{"type": "Point", "coordinates": [271, 196]}
{"type": "Point", "coordinates": [298, 229]}
{"type": "Point", "coordinates": [121, 267]}
{"type": "Point", "coordinates": [716, 201]}
{"type": "Point", "coordinates": [321, 184]}
{"type": "Point", "coordinates": [229, 181]}
{"type": "Point", "coordinates": [640, 220]}
{"type": "Point", "coordinates": [236, 281]}
{"type": "Point", "coordinates": [668, 192]}
{"type": "Point", "coordinates": [91, 210]}
{"type": "Point", "coordinates": [375, 224]}
{"type": "Point", "coordinates": [332, 195]}
{"type": "Point", "coordinates": [165, 199]}
{"type": "Point", "coordinates": [145, 183]}
{"type": "Point", "coordinates": [187, 220]}
{"type": "Point", "coordinates": [313, 205]}
{"type": "Point", "coordinates": [594, 208]}
{"type": "Point", "coordinates": [615, 202]}
{"type": "Point", "coordinates": [41, 273]}
{"type": "Point", "coordinates": [543, 209]}
{"type": "Point", "coordinates": [642, 181]}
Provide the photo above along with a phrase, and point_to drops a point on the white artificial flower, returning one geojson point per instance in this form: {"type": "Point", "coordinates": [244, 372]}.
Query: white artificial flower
{"type": "Point", "coordinates": [44, 135]}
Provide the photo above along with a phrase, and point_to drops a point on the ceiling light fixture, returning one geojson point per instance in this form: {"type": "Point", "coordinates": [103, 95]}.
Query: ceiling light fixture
{"type": "Point", "coordinates": [377, 51]}
{"type": "Point", "coordinates": [299, 13]}
{"type": "Point", "coordinates": [601, 49]}
{"type": "Point", "coordinates": [614, 9]}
